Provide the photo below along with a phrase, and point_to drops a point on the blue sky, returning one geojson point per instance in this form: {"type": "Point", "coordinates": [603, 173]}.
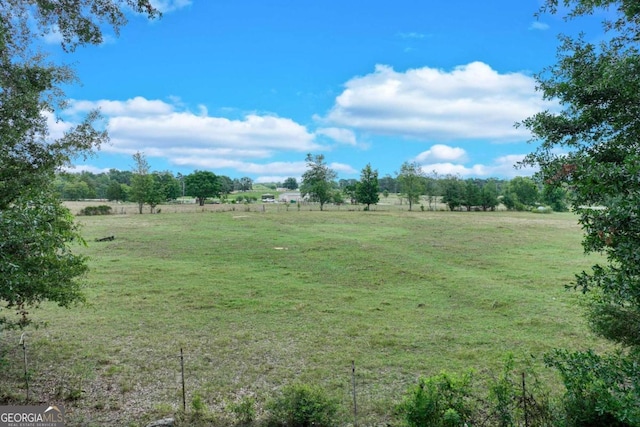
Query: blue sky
{"type": "Point", "coordinates": [248, 87]}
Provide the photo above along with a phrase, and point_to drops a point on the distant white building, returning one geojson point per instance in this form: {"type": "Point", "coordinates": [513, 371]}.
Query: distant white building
{"type": "Point", "coordinates": [290, 196]}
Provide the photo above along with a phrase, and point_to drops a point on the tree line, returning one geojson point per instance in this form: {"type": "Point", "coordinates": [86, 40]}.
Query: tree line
{"type": "Point", "coordinates": [319, 183]}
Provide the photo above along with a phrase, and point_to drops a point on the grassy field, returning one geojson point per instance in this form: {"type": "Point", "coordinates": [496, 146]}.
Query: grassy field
{"type": "Point", "coordinates": [257, 300]}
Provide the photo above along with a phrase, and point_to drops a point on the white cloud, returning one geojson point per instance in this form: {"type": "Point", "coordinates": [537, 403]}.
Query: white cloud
{"type": "Point", "coordinates": [198, 140]}
{"type": "Point", "coordinates": [442, 152]}
{"type": "Point", "coordinates": [344, 136]}
{"type": "Point", "coordinates": [501, 167]}
{"type": "Point", "coordinates": [469, 102]}
{"type": "Point", "coordinates": [291, 168]}
{"type": "Point", "coordinates": [85, 168]}
{"type": "Point", "coordinates": [165, 6]}
{"type": "Point", "coordinates": [342, 168]}
{"type": "Point", "coordinates": [57, 127]}
{"type": "Point", "coordinates": [540, 26]}
{"type": "Point", "coordinates": [52, 35]}
{"type": "Point", "coordinates": [136, 107]}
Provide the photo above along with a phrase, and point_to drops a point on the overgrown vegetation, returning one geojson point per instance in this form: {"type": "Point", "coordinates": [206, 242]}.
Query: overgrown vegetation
{"type": "Point", "coordinates": [591, 146]}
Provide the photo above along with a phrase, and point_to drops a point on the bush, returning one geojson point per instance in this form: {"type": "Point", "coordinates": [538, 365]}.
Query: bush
{"type": "Point", "coordinates": [438, 401]}
{"type": "Point", "coordinates": [96, 210]}
{"type": "Point", "coordinates": [600, 390]}
{"type": "Point", "coordinates": [302, 405]}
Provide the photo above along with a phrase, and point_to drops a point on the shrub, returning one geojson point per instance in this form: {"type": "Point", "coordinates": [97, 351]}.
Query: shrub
{"type": "Point", "coordinates": [302, 405]}
{"type": "Point", "coordinates": [438, 401]}
{"type": "Point", "coordinates": [600, 390]}
{"type": "Point", "coordinates": [96, 210]}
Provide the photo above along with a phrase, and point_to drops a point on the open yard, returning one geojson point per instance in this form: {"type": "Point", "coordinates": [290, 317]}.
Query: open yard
{"type": "Point", "coordinates": [257, 300]}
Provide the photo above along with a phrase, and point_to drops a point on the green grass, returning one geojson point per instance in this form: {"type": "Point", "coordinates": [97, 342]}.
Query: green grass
{"type": "Point", "coordinates": [260, 300]}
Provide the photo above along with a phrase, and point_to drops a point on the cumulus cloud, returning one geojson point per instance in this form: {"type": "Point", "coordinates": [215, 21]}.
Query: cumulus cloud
{"type": "Point", "coordinates": [342, 168]}
{"type": "Point", "coordinates": [57, 127]}
{"type": "Point", "coordinates": [344, 136]}
{"type": "Point", "coordinates": [472, 101]}
{"type": "Point", "coordinates": [166, 6]}
{"type": "Point", "coordinates": [440, 152]}
{"type": "Point", "coordinates": [501, 167]}
{"type": "Point", "coordinates": [196, 139]}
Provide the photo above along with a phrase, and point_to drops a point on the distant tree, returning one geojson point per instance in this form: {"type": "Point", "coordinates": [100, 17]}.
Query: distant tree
{"type": "Point", "coordinates": [344, 183]}
{"type": "Point", "coordinates": [76, 189]}
{"type": "Point", "coordinates": [156, 194]}
{"type": "Point", "coordinates": [337, 198]}
{"type": "Point", "coordinates": [101, 182]}
{"type": "Point", "coordinates": [141, 181]}
{"type": "Point", "coordinates": [202, 185]}
{"type": "Point", "coordinates": [92, 183]}
{"type": "Point", "coordinates": [489, 195]}
{"type": "Point", "coordinates": [350, 192]}
{"type": "Point", "coordinates": [246, 184]}
{"type": "Point", "coordinates": [290, 184]}
{"type": "Point", "coordinates": [116, 192]}
{"type": "Point", "coordinates": [521, 193]}
{"type": "Point", "coordinates": [122, 177]}
{"type": "Point", "coordinates": [525, 189]}
{"type": "Point", "coordinates": [472, 194]}
{"type": "Point", "coordinates": [388, 183]}
{"type": "Point", "coordinates": [411, 182]}
{"type": "Point", "coordinates": [368, 189]}
{"type": "Point", "coordinates": [555, 197]}
{"type": "Point", "coordinates": [453, 192]}
{"type": "Point", "coordinates": [317, 181]}
{"type": "Point", "coordinates": [170, 186]}
{"type": "Point", "coordinates": [226, 184]}
{"type": "Point", "coordinates": [432, 189]}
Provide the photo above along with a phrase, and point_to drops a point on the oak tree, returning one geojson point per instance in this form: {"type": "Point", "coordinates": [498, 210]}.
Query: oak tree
{"type": "Point", "coordinates": [202, 185]}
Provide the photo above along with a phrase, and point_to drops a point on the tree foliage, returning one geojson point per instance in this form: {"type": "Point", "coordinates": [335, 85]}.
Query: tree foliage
{"type": "Point", "coordinates": [36, 262]}
{"type": "Point", "coordinates": [317, 181]}
{"type": "Point", "coordinates": [592, 147]}
{"type": "Point", "coordinates": [290, 184]}
{"type": "Point", "coordinates": [202, 185]}
{"type": "Point", "coordinates": [141, 182]}
{"type": "Point", "coordinates": [453, 192]}
{"type": "Point", "coordinates": [367, 190]}
{"type": "Point", "coordinates": [411, 181]}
